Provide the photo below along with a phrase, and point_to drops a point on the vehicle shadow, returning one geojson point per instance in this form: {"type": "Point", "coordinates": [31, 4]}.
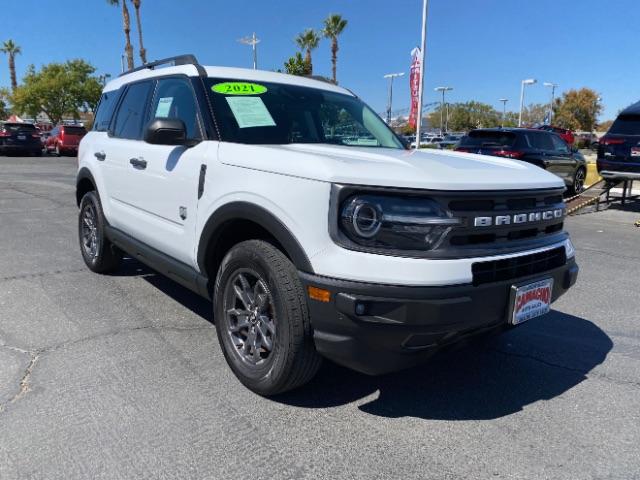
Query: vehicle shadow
{"type": "Point", "coordinates": [488, 379]}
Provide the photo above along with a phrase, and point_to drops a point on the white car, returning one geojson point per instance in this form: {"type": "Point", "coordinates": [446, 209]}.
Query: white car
{"type": "Point", "coordinates": [292, 205]}
{"type": "Point", "coordinates": [428, 141]}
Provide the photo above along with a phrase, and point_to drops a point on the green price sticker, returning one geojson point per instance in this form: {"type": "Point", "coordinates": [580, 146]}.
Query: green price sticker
{"type": "Point", "coordinates": [239, 88]}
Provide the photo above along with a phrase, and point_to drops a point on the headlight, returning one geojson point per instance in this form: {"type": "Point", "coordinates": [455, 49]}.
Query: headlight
{"type": "Point", "coordinates": [395, 223]}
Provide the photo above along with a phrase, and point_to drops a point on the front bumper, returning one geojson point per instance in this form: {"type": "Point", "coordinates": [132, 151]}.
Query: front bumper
{"type": "Point", "coordinates": [376, 329]}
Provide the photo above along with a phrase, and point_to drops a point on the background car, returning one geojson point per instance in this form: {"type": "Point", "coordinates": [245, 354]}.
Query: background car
{"type": "Point", "coordinates": [539, 147]}
{"type": "Point", "coordinates": [450, 140]}
{"type": "Point", "coordinates": [619, 149]}
{"type": "Point", "coordinates": [428, 140]}
{"type": "Point", "coordinates": [566, 134]}
{"type": "Point", "coordinates": [65, 139]}
{"type": "Point", "coordinates": [20, 139]}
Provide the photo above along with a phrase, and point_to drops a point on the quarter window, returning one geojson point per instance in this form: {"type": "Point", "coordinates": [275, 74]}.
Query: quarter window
{"type": "Point", "coordinates": [559, 144]}
{"type": "Point", "coordinates": [105, 110]}
{"type": "Point", "coordinates": [132, 111]}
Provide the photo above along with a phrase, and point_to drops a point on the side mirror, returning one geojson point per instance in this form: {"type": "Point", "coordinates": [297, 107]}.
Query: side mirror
{"type": "Point", "coordinates": [166, 131]}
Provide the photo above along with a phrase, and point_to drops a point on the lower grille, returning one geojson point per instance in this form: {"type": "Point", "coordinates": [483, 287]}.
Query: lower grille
{"type": "Point", "coordinates": [516, 267]}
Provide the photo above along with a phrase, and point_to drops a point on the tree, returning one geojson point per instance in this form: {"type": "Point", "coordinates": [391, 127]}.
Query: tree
{"type": "Point", "coordinates": [334, 25]}
{"type": "Point", "coordinates": [126, 26]}
{"type": "Point", "coordinates": [4, 100]}
{"type": "Point", "coordinates": [534, 114]}
{"type": "Point", "coordinates": [467, 116]}
{"type": "Point", "coordinates": [58, 89]}
{"type": "Point", "coordinates": [578, 110]}
{"type": "Point", "coordinates": [308, 41]}
{"type": "Point", "coordinates": [11, 49]}
{"type": "Point", "coordinates": [297, 65]}
{"type": "Point", "coordinates": [143, 51]}
{"type": "Point", "coordinates": [604, 126]}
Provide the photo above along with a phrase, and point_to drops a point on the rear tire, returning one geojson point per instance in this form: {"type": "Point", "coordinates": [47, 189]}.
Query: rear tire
{"type": "Point", "coordinates": [262, 319]}
{"type": "Point", "coordinates": [579, 178]}
{"type": "Point", "coordinates": [97, 251]}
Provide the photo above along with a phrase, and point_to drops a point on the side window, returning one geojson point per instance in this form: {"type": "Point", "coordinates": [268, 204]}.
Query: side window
{"type": "Point", "coordinates": [132, 111]}
{"type": "Point", "coordinates": [559, 144]}
{"type": "Point", "coordinates": [174, 99]}
{"type": "Point", "coordinates": [541, 141]}
{"type": "Point", "coordinates": [105, 109]}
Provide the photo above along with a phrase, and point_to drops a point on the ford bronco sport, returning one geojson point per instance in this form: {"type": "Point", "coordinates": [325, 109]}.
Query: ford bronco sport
{"type": "Point", "coordinates": [294, 208]}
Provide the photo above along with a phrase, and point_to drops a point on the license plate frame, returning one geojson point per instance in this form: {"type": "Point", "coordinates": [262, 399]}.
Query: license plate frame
{"type": "Point", "coordinates": [521, 311]}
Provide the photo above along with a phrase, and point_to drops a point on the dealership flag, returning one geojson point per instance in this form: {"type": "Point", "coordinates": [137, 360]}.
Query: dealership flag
{"type": "Point", "coordinates": [414, 84]}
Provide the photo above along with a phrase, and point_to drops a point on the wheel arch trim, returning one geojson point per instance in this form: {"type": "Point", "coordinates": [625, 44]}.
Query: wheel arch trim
{"type": "Point", "coordinates": [240, 210]}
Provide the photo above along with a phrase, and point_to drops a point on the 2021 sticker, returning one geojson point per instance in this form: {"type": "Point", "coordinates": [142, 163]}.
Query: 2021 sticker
{"type": "Point", "coordinates": [239, 88]}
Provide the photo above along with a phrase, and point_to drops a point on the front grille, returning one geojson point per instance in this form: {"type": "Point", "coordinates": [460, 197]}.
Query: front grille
{"type": "Point", "coordinates": [517, 267]}
{"type": "Point", "coordinates": [492, 204]}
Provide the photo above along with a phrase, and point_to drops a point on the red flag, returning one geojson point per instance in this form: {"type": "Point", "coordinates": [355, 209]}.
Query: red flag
{"type": "Point", "coordinates": [414, 84]}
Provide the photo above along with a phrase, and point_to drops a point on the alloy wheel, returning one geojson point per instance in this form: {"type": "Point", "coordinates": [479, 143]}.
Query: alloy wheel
{"type": "Point", "coordinates": [250, 316]}
{"type": "Point", "coordinates": [90, 239]}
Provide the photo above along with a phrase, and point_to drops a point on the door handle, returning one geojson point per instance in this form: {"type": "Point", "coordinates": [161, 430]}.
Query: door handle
{"type": "Point", "coordinates": [100, 156]}
{"type": "Point", "coordinates": [138, 163]}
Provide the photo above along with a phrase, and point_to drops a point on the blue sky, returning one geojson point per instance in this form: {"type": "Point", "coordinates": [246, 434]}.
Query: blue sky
{"type": "Point", "coordinates": [483, 48]}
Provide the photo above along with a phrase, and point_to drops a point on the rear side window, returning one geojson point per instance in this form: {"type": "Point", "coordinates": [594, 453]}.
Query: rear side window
{"type": "Point", "coordinates": [628, 124]}
{"type": "Point", "coordinates": [105, 109]}
{"type": "Point", "coordinates": [559, 144]}
{"type": "Point", "coordinates": [132, 111]}
{"type": "Point", "coordinates": [541, 141]}
{"type": "Point", "coordinates": [480, 138]}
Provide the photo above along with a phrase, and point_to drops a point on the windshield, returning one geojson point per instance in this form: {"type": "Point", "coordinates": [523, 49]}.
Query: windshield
{"type": "Point", "coordinates": [628, 124]}
{"type": "Point", "coordinates": [274, 113]}
{"type": "Point", "coordinates": [15, 127]}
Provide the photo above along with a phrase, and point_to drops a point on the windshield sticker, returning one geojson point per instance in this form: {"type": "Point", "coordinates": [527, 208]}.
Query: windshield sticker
{"type": "Point", "coordinates": [250, 112]}
{"type": "Point", "coordinates": [239, 88]}
{"type": "Point", "coordinates": [164, 107]}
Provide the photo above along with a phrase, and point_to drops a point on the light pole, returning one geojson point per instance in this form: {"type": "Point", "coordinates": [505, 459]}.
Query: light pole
{"type": "Point", "coordinates": [423, 54]}
{"type": "Point", "coordinates": [391, 76]}
{"type": "Point", "coordinates": [504, 109]}
{"type": "Point", "coordinates": [443, 90]}
{"type": "Point", "coordinates": [253, 41]}
{"type": "Point", "coordinates": [529, 81]}
{"type": "Point", "coordinates": [553, 92]}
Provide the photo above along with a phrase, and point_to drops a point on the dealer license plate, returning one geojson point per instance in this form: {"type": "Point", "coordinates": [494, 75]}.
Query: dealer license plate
{"type": "Point", "coordinates": [532, 300]}
{"type": "Point", "coordinates": [22, 137]}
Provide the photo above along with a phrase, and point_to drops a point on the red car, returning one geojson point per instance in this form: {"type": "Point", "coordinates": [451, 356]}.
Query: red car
{"type": "Point", "coordinates": [65, 139]}
{"type": "Point", "coordinates": [566, 134]}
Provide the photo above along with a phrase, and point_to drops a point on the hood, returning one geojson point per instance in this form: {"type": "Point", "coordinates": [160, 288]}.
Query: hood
{"type": "Point", "coordinates": [424, 169]}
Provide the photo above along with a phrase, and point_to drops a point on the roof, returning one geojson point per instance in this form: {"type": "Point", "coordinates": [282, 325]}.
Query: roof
{"type": "Point", "coordinates": [226, 73]}
{"type": "Point", "coordinates": [635, 108]}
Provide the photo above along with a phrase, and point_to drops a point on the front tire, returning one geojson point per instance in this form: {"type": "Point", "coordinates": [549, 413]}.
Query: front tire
{"type": "Point", "coordinates": [262, 319]}
{"type": "Point", "coordinates": [97, 251]}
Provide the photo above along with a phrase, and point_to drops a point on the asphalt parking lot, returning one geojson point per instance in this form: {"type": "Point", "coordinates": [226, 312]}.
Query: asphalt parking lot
{"type": "Point", "coordinates": [121, 377]}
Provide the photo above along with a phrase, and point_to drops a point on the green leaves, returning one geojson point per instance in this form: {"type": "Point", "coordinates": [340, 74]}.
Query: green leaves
{"type": "Point", "coordinates": [297, 65]}
{"type": "Point", "coordinates": [58, 89]}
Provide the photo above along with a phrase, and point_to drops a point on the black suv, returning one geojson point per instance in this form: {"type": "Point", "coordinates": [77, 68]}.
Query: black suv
{"type": "Point", "coordinates": [544, 149]}
{"type": "Point", "coordinates": [20, 138]}
{"type": "Point", "coordinates": [619, 149]}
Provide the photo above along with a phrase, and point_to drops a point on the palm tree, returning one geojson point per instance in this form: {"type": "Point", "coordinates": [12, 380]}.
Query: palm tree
{"type": "Point", "coordinates": [333, 26]}
{"type": "Point", "coordinates": [308, 41]}
{"type": "Point", "coordinates": [126, 22]}
{"type": "Point", "coordinates": [143, 51]}
{"type": "Point", "coordinates": [10, 48]}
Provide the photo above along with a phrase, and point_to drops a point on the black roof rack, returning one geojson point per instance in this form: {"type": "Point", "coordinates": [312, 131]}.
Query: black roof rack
{"type": "Point", "coordinates": [188, 59]}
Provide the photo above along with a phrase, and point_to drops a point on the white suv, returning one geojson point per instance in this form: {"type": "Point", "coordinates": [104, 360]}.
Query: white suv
{"type": "Point", "coordinates": [314, 230]}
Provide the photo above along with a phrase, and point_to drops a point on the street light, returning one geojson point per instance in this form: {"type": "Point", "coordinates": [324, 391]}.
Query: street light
{"type": "Point", "coordinates": [253, 41]}
{"type": "Point", "coordinates": [443, 90]}
{"type": "Point", "coordinates": [529, 81]}
{"type": "Point", "coordinates": [504, 109]}
{"type": "Point", "coordinates": [553, 92]}
{"type": "Point", "coordinates": [391, 76]}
